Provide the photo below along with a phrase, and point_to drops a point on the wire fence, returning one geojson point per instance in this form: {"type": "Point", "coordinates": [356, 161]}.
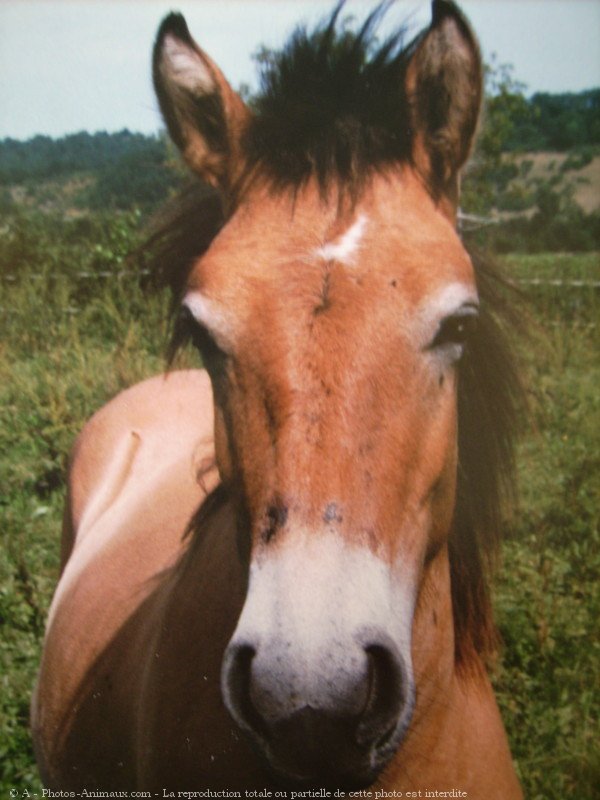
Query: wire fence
{"type": "Point", "coordinates": [574, 283]}
{"type": "Point", "coordinates": [466, 223]}
{"type": "Point", "coordinates": [107, 273]}
{"type": "Point", "coordinates": [571, 282]}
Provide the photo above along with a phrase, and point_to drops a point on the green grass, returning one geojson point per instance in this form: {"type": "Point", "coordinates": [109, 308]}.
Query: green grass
{"type": "Point", "coordinates": [548, 597]}
{"type": "Point", "coordinates": [69, 343]}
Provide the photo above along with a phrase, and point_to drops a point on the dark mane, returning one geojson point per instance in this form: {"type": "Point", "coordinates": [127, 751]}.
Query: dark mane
{"type": "Point", "coordinates": [490, 399]}
{"type": "Point", "coordinates": [333, 106]}
{"type": "Point", "coordinates": [179, 234]}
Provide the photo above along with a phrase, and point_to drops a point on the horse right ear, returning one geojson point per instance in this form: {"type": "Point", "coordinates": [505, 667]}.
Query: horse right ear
{"type": "Point", "coordinates": [204, 116]}
{"type": "Point", "coordinates": [444, 83]}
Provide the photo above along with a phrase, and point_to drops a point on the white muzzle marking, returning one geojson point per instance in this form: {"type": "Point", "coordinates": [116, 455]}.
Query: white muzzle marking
{"type": "Point", "coordinates": [314, 606]}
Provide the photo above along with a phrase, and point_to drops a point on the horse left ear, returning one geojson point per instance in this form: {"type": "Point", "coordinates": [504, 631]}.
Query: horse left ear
{"type": "Point", "coordinates": [203, 114]}
{"type": "Point", "coordinates": [444, 83]}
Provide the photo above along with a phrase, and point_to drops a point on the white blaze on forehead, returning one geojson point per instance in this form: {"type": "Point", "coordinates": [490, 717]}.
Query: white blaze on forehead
{"type": "Point", "coordinates": [208, 314]}
{"type": "Point", "coordinates": [183, 66]}
{"type": "Point", "coordinates": [344, 247]}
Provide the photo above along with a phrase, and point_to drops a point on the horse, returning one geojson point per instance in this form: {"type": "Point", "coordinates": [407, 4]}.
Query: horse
{"type": "Point", "coordinates": [275, 569]}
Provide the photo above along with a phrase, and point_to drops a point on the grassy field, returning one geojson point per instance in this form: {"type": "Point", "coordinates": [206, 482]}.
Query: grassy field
{"type": "Point", "coordinates": [69, 342]}
{"type": "Point", "coordinates": [548, 594]}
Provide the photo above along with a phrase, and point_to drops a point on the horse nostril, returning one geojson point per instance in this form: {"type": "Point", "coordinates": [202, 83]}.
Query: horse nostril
{"type": "Point", "coordinates": [236, 678]}
{"type": "Point", "coordinates": [385, 698]}
{"type": "Point", "coordinates": [343, 713]}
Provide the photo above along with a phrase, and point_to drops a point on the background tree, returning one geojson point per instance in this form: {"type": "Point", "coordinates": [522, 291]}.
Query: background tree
{"type": "Point", "coordinates": [491, 168]}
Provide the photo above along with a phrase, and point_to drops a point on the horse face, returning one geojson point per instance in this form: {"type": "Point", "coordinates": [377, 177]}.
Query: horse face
{"type": "Point", "coordinates": [334, 352]}
{"type": "Point", "coordinates": [332, 331]}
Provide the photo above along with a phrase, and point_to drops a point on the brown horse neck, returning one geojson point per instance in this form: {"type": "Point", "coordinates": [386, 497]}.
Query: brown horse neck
{"type": "Point", "coordinates": [457, 739]}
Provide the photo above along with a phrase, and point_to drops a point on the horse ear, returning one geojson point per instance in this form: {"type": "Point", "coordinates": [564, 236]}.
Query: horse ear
{"type": "Point", "coordinates": [203, 114]}
{"type": "Point", "coordinates": [444, 83]}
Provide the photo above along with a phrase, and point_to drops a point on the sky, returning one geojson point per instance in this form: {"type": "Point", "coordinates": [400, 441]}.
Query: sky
{"type": "Point", "coordinates": [71, 65]}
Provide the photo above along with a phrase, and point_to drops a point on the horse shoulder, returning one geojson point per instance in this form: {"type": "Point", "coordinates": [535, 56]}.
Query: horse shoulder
{"type": "Point", "coordinates": [139, 470]}
{"type": "Point", "coordinates": [160, 424]}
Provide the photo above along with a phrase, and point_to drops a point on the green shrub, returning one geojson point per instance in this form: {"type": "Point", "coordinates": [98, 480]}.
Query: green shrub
{"type": "Point", "coordinates": [516, 198]}
{"type": "Point", "coordinates": [579, 158]}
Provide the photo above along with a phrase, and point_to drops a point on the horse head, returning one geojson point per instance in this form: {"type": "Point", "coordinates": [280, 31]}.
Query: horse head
{"type": "Point", "coordinates": [332, 312]}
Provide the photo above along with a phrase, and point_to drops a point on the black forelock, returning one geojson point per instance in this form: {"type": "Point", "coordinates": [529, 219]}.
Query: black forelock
{"type": "Point", "coordinates": [332, 105]}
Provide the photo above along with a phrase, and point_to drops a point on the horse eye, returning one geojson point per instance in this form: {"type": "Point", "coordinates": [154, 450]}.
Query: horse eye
{"type": "Point", "coordinates": [456, 329]}
{"type": "Point", "coordinates": [212, 356]}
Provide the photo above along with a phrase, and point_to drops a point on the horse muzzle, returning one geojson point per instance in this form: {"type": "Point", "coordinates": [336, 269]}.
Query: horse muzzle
{"type": "Point", "coordinates": [318, 671]}
{"type": "Point", "coordinates": [340, 731]}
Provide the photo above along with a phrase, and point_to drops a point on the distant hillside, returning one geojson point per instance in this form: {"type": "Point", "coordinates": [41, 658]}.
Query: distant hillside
{"type": "Point", "coordinates": [574, 175]}
{"type": "Point", "coordinates": [535, 172]}
{"type": "Point", "coordinates": [96, 171]}
{"type": "Point", "coordinates": [43, 157]}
